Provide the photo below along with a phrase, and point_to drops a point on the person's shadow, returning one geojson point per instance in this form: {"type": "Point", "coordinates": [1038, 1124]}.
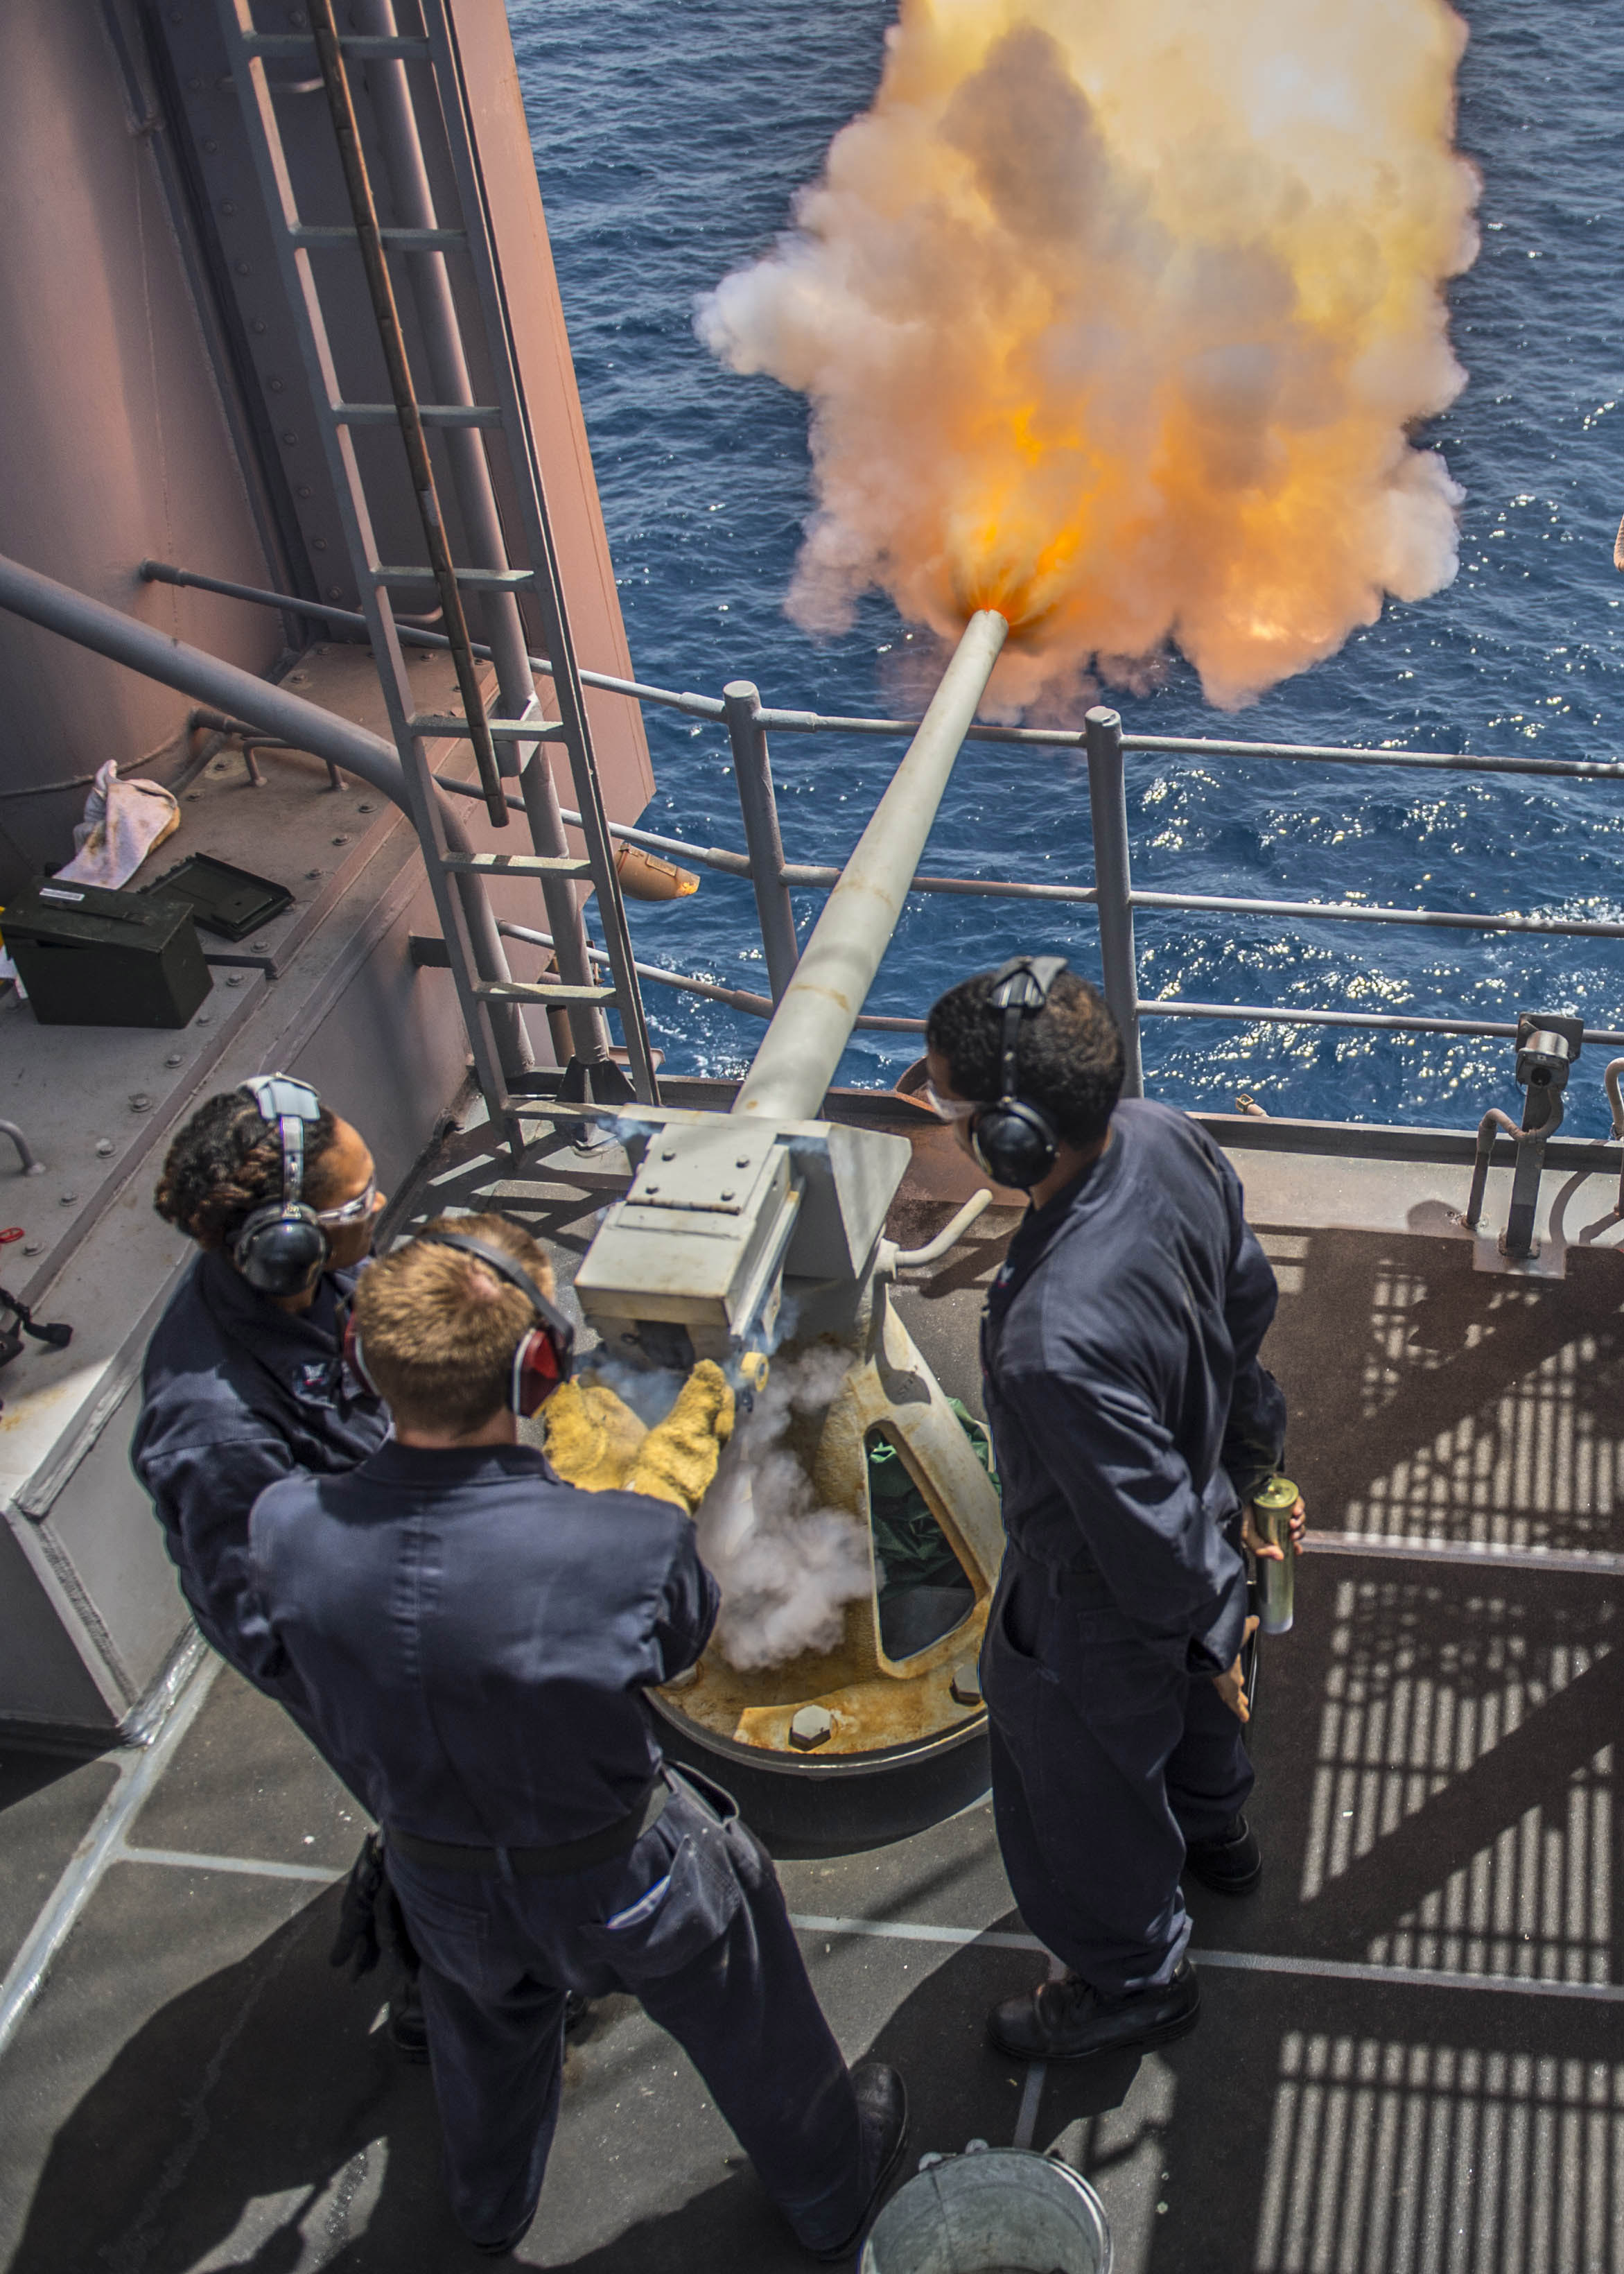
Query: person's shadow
{"type": "Point", "coordinates": [260, 2121]}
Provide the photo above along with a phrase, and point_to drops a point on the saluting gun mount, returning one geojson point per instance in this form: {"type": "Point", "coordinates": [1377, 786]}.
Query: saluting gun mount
{"type": "Point", "coordinates": [760, 1228]}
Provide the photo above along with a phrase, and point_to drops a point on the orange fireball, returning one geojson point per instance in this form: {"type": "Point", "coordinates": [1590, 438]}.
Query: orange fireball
{"type": "Point", "coordinates": [1120, 320]}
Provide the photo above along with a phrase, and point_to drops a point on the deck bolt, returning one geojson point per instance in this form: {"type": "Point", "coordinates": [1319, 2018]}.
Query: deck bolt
{"type": "Point", "coordinates": [173, 1059]}
{"type": "Point", "coordinates": [139, 1103]}
{"type": "Point", "coordinates": [967, 1683]}
{"type": "Point", "coordinates": [811, 1726]}
{"type": "Point", "coordinates": [104, 1145]}
{"type": "Point", "coordinates": [727, 1191]}
{"type": "Point", "coordinates": [70, 1199]}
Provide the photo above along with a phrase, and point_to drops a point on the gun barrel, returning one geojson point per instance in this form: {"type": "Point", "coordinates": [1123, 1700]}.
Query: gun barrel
{"type": "Point", "coordinates": [810, 1028]}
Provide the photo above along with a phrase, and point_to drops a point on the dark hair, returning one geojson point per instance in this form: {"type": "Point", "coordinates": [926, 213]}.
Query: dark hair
{"type": "Point", "coordinates": [1068, 1056]}
{"type": "Point", "coordinates": [226, 1161]}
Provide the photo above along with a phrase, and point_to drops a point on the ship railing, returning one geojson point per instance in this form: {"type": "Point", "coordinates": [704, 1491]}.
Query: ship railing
{"type": "Point", "coordinates": [1104, 743]}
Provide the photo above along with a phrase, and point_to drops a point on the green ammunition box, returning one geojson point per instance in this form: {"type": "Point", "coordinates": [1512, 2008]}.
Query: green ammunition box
{"type": "Point", "coordinates": [92, 958]}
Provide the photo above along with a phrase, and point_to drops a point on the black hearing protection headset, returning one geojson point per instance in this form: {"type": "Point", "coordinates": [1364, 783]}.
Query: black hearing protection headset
{"type": "Point", "coordinates": [1014, 1140]}
{"type": "Point", "coordinates": [282, 1245]}
{"type": "Point", "coordinates": [545, 1357]}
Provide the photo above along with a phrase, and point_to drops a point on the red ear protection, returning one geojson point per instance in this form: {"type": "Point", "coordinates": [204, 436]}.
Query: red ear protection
{"type": "Point", "coordinates": [545, 1356]}
{"type": "Point", "coordinates": [539, 1366]}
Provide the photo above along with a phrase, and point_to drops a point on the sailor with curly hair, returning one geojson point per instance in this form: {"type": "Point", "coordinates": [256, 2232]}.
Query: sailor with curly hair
{"type": "Point", "coordinates": [242, 1385]}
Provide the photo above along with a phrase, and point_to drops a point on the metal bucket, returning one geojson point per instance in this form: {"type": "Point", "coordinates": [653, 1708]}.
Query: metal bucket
{"type": "Point", "coordinates": [992, 2211]}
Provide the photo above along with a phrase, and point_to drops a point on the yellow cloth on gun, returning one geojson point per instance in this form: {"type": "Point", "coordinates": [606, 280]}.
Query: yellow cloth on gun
{"type": "Point", "coordinates": [594, 1438]}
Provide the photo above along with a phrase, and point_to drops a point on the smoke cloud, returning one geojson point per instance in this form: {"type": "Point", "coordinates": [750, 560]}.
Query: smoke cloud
{"type": "Point", "coordinates": [785, 1566]}
{"type": "Point", "coordinates": [1115, 318]}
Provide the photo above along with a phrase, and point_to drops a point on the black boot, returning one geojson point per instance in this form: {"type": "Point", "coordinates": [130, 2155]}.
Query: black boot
{"type": "Point", "coordinates": [1067, 2021]}
{"type": "Point", "coordinates": [506, 2249]}
{"type": "Point", "coordinates": [882, 2111]}
{"type": "Point", "coordinates": [1230, 1862]}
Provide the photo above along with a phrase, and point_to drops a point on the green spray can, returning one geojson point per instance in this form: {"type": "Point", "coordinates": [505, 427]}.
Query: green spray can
{"type": "Point", "coordinates": [1271, 1506]}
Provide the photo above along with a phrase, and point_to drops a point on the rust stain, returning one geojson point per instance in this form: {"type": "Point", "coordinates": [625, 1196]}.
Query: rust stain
{"type": "Point", "coordinates": [871, 1710]}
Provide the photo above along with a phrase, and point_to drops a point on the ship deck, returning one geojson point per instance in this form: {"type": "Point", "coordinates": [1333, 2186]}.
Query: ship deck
{"type": "Point", "coordinates": [1410, 2055]}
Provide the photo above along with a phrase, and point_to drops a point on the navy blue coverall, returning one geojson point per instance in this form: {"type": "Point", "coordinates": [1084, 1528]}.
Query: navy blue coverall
{"type": "Point", "coordinates": [474, 1637]}
{"type": "Point", "coordinates": [1131, 1415]}
{"type": "Point", "coordinates": [236, 1393]}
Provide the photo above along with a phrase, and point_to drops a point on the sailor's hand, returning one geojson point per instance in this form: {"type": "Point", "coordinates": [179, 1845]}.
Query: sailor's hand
{"type": "Point", "coordinates": [593, 1437]}
{"type": "Point", "coordinates": [678, 1459]}
{"type": "Point", "coordinates": [1232, 1687]}
{"type": "Point", "coordinates": [1261, 1547]}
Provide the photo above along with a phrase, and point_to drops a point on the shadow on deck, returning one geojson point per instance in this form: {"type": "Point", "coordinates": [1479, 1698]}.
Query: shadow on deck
{"type": "Point", "coordinates": [1410, 2057]}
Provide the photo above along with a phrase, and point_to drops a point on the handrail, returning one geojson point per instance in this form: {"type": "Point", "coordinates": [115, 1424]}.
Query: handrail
{"type": "Point", "coordinates": [1394, 1022]}
{"type": "Point", "coordinates": [737, 998]}
{"type": "Point", "coordinates": [816, 722]}
{"type": "Point", "coordinates": [141, 647]}
{"type": "Point", "coordinates": [164, 572]}
{"type": "Point", "coordinates": [1115, 897]}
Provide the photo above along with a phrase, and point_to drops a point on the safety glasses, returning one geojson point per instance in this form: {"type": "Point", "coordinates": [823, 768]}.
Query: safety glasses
{"type": "Point", "coordinates": [355, 1211]}
{"type": "Point", "coordinates": [950, 1108]}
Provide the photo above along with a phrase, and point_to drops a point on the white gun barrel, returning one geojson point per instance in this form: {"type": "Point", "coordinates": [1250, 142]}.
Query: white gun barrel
{"type": "Point", "coordinates": [813, 1024]}
{"type": "Point", "coordinates": [723, 1207]}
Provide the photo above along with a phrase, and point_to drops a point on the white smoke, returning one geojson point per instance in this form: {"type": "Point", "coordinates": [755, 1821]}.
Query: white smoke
{"type": "Point", "coordinates": [651, 1392]}
{"type": "Point", "coordinates": [786, 1567]}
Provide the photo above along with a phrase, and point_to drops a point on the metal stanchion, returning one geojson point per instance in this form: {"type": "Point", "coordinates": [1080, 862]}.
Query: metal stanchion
{"type": "Point", "coordinates": [753, 772]}
{"type": "Point", "coordinates": [1107, 803]}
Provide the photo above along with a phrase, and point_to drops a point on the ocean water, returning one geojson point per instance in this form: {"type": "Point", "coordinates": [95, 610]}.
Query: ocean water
{"type": "Point", "coordinates": [669, 136]}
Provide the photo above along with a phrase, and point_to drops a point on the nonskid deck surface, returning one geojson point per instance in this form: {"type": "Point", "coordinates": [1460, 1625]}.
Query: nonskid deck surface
{"type": "Point", "coordinates": [1410, 2054]}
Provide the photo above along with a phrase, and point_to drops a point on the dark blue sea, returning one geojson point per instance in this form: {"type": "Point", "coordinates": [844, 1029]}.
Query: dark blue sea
{"type": "Point", "coordinates": [669, 136]}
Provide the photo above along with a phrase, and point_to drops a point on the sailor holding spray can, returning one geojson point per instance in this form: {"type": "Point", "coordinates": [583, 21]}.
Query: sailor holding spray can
{"type": "Point", "coordinates": [1133, 1422]}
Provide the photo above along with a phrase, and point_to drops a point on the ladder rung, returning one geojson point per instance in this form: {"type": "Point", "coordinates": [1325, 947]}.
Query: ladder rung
{"type": "Point", "coordinates": [502, 730]}
{"type": "Point", "coordinates": [432, 414]}
{"type": "Point", "coordinates": [501, 580]}
{"type": "Point", "coordinates": [354, 43]}
{"type": "Point", "coordinates": [402, 240]}
{"type": "Point", "coordinates": [525, 991]}
{"type": "Point", "coordinates": [518, 864]}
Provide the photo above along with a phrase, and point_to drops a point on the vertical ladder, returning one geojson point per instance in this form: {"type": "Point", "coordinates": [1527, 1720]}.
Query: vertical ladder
{"type": "Point", "coordinates": [514, 743]}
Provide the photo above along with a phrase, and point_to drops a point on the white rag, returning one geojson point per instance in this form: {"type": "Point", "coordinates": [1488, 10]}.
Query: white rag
{"type": "Point", "coordinates": [123, 822]}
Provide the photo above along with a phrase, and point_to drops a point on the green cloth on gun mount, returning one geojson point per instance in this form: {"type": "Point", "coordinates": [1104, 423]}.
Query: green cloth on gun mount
{"type": "Point", "coordinates": [913, 1549]}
